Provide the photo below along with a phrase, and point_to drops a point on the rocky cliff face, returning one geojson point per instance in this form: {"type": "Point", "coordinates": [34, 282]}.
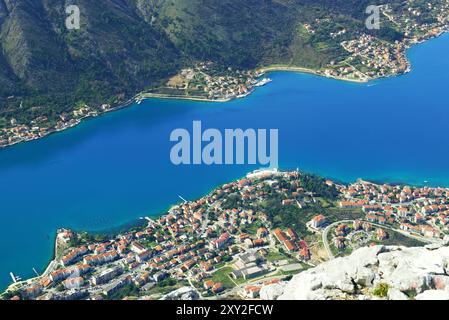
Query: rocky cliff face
{"type": "Point", "coordinates": [379, 272]}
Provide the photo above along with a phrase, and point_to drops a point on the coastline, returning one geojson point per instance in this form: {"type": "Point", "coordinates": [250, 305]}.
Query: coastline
{"type": "Point", "coordinates": [48, 269]}
{"type": "Point", "coordinates": [113, 110]}
{"type": "Point", "coordinates": [249, 175]}
{"type": "Point", "coordinates": [54, 260]}
{"type": "Point", "coordinates": [144, 96]}
{"type": "Point", "coordinates": [263, 70]}
{"type": "Point", "coordinates": [120, 106]}
{"type": "Point", "coordinates": [287, 68]}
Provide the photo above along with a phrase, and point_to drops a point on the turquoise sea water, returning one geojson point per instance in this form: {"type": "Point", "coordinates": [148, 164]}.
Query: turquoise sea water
{"type": "Point", "coordinates": [116, 168]}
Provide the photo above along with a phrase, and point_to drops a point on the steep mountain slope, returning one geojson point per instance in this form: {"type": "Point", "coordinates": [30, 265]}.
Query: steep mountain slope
{"type": "Point", "coordinates": [233, 32]}
{"type": "Point", "coordinates": [115, 54]}
{"type": "Point", "coordinates": [124, 46]}
{"type": "Point", "coordinates": [257, 32]}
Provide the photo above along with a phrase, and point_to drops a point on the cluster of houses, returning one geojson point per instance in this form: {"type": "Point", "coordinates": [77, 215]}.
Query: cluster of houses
{"type": "Point", "coordinates": [372, 57]}
{"type": "Point", "coordinates": [40, 127]}
{"type": "Point", "coordinates": [186, 244]}
{"type": "Point", "coordinates": [345, 235]}
{"type": "Point", "coordinates": [203, 79]}
{"type": "Point", "coordinates": [292, 243]}
{"type": "Point", "coordinates": [419, 210]}
{"type": "Point", "coordinates": [229, 87]}
{"type": "Point", "coordinates": [379, 57]}
{"type": "Point", "coordinates": [195, 239]}
{"type": "Point", "coordinates": [213, 287]}
{"type": "Point", "coordinates": [18, 133]}
{"type": "Point", "coordinates": [414, 18]}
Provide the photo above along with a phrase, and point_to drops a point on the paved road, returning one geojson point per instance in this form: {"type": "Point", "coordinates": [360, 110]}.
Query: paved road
{"type": "Point", "coordinates": [404, 233]}
{"type": "Point", "coordinates": [407, 234]}
{"type": "Point", "coordinates": [325, 233]}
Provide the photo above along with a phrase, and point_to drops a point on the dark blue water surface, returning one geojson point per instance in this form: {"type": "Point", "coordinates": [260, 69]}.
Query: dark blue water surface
{"type": "Point", "coordinates": [116, 168]}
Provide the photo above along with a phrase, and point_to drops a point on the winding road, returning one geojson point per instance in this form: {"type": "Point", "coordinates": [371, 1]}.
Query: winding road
{"type": "Point", "coordinates": [404, 233]}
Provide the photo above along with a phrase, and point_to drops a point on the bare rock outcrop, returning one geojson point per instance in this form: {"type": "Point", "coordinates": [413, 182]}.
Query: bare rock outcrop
{"type": "Point", "coordinates": [377, 272]}
{"type": "Point", "coordinates": [184, 293]}
{"type": "Point", "coordinates": [272, 291]}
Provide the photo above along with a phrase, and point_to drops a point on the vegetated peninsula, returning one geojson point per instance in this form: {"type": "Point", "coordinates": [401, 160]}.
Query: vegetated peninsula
{"type": "Point", "coordinates": [245, 240]}
{"type": "Point", "coordinates": [51, 77]}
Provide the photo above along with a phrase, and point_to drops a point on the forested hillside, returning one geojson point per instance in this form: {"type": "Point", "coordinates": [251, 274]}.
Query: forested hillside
{"type": "Point", "coordinates": [125, 46]}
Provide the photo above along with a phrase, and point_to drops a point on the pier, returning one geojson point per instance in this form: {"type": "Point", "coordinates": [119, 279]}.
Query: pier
{"type": "Point", "coordinates": [37, 273]}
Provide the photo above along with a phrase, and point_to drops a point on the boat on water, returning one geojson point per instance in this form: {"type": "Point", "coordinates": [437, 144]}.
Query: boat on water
{"type": "Point", "coordinates": [263, 82]}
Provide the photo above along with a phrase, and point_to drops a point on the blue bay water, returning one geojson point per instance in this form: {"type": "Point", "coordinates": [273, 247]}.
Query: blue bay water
{"type": "Point", "coordinates": [115, 168]}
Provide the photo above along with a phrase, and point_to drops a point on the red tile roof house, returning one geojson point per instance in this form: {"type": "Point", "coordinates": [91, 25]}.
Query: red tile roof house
{"type": "Point", "coordinates": [304, 253]}
{"type": "Point", "coordinates": [137, 248]}
{"type": "Point", "coordinates": [217, 287]}
{"type": "Point", "coordinates": [292, 234]}
{"type": "Point", "coordinates": [221, 241]}
{"type": "Point", "coordinates": [208, 284]}
{"type": "Point", "coordinates": [73, 255]}
{"type": "Point", "coordinates": [280, 236]}
{"type": "Point", "coordinates": [252, 292]}
{"type": "Point", "coordinates": [318, 221]}
{"type": "Point", "coordinates": [289, 245]}
{"type": "Point", "coordinates": [205, 266]}
{"type": "Point", "coordinates": [73, 283]}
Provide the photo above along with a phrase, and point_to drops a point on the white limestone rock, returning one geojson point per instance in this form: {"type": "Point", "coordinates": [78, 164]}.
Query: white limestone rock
{"type": "Point", "coordinates": [184, 293]}
{"type": "Point", "coordinates": [395, 294]}
{"type": "Point", "coordinates": [365, 277]}
{"type": "Point", "coordinates": [420, 270]}
{"type": "Point", "coordinates": [271, 291]}
{"type": "Point", "coordinates": [446, 240]}
{"type": "Point", "coordinates": [433, 295]}
{"type": "Point", "coordinates": [411, 268]}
